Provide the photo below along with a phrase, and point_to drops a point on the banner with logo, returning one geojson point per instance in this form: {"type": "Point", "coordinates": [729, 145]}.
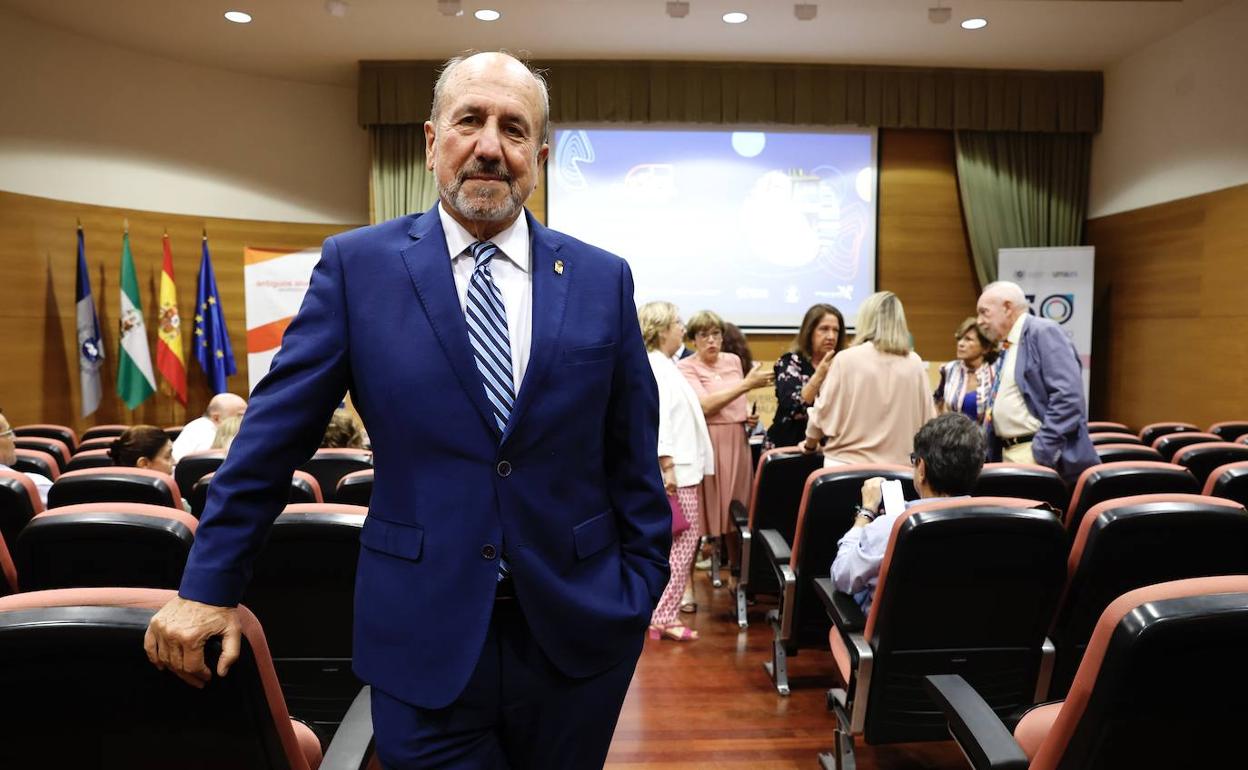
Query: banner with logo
{"type": "Point", "coordinates": [1058, 284]}
{"type": "Point", "coordinates": [275, 281]}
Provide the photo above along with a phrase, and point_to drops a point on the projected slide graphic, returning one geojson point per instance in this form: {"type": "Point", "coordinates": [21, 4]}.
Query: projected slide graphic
{"type": "Point", "coordinates": [754, 225]}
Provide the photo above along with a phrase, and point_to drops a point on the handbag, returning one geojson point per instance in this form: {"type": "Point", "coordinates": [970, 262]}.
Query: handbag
{"type": "Point", "coordinates": [679, 523]}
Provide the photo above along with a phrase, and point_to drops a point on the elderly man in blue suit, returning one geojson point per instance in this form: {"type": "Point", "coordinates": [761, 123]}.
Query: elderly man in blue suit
{"type": "Point", "coordinates": [1036, 411]}
{"type": "Point", "coordinates": [518, 532]}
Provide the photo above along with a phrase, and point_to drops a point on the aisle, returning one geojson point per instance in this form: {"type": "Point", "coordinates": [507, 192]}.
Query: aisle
{"type": "Point", "coordinates": [710, 704]}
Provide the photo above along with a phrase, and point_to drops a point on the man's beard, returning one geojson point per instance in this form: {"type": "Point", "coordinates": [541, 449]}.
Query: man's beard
{"type": "Point", "coordinates": [486, 206]}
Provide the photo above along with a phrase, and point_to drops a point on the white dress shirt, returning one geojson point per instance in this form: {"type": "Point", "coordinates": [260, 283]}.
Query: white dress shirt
{"type": "Point", "coordinates": [1010, 416]}
{"type": "Point", "coordinates": [196, 436]}
{"type": "Point", "coordinates": [42, 483]}
{"type": "Point", "coordinates": [511, 273]}
{"type": "Point", "coordinates": [683, 435]}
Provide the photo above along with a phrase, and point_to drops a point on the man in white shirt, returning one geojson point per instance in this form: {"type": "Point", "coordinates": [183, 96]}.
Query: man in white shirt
{"type": "Point", "coordinates": [8, 456]}
{"type": "Point", "coordinates": [198, 434]}
{"type": "Point", "coordinates": [948, 456]}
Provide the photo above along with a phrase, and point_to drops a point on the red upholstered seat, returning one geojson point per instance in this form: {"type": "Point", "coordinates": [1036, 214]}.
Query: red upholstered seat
{"type": "Point", "coordinates": [1108, 437]}
{"type": "Point", "coordinates": [92, 458]}
{"type": "Point", "coordinates": [19, 503]}
{"type": "Point", "coordinates": [62, 433]}
{"type": "Point", "coordinates": [1201, 459]}
{"type": "Point", "coordinates": [1229, 481]}
{"type": "Point", "coordinates": [52, 446]}
{"type": "Point", "coordinates": [115, 484]}
{"type": "Point", "coordinates": [1151, 432]}
{"type": "Point", "coordinates": [1104, 426]}
{"type": "Point", "coordinates": [1229, 430]}
{"type": "Point", "coordinates": [1121, 479]}
{"type": "Point", "coordinates": [37, 461]}
{"type": "Point", "coordinates": [1116, 453]}
{"type": "Point", "coordinates": [329, 465]}
{"type": "Point", "coordinates": [112, 430]}
{"type": "Point", "coordinates": [1034, 726]}
{"type": "Point", "coordinates": [356, 488]}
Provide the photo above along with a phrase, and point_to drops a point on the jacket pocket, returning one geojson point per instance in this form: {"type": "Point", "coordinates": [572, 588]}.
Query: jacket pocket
{"type": "Point", "coordinates": [405, 541]}
{"type": "Point", "coordinates": [585, 355]}
{"type": "Point", "coordinates": [593, 535]}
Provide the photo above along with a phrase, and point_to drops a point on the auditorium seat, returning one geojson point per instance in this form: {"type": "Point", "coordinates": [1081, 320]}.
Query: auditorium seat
{"type": "Point", "coordinates": [774, 499]}
{"type": "Point", "coordinates": [1229, 482]}
{"type": "Point", "coordinates": [173, 431]}
{"type": "Point", "coordinates": [1130, 542]}
{"type": "Point", "coordinates": [1229, 430]}
{"type": "Point", "coordinates": [91, 444]}
{"type": "Point", "coordinates": [356, 488]}
{"type": "Point", "coordinates": [967, 585]}
{"type": "Point", "coordinates": [19, 503]}
{"type": "Point", "coordinates": [1202, 459]}
{"type": "Point", "coordinates": [94, 458]}
{"type": "Point", "coordinates": [62, 433]}
{"type": "Point", "coordinates": [89, 698]}
{"type": "Point", "coordinates": [104, 544]}
{"type": "Point", "coordinates": [303, 489]}
{"type": "Point", "coordinates": [196, 465]}
{"type": "Point", "coordinates": [328, 466]}
{"type": "Point", "coordinates": [115, 485]}
{"type": "Point", "coordinates": [52, 446]}
{"type": "Point", "coordinates": [1115, 438]}
{"type": "Point", "coordinates": [1160, 686]}
{"type": "Point", "coordinates": [1171, 443]}
{"type": "Point", "coordinates": [104, 431]}
{"type": "Point", "coordinates": [307, 570]}
{"type": "Point", "coordinates": [1116, 453]}
{"type": "Point", "coordinates": [9, 584]}
{"type": "Point", "coordinates": [1031, 482]}
{"type": "Point", "coordinates": [1103, 426]}
{"type": "Point", "coordinates": [36, 461]}
{"type": "Point", "coordinates": [1109, 480]}
{"type": "Point", "coordinates": [825, 513]}
{"type": "Point", "coordinates": [1152, 432]}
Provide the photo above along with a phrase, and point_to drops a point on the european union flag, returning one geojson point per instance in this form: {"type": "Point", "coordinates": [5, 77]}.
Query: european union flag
{"type": "Point", "coordinates": [212, 341]}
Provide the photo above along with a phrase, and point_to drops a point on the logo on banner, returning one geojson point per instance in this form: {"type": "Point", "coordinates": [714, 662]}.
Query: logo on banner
{"type": "Point", "coordinates": [1055, 307]}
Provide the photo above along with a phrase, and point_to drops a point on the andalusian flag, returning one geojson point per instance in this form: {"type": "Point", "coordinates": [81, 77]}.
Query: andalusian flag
{"type": "Point", "coordinates": [169, 358]}
{"type": "Point", "coordinates": [135, 381]}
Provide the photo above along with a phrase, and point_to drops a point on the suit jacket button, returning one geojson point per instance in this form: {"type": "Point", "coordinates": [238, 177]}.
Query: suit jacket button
{"type": "Point", "coordinates": [504, 469]}
{"type": "Point", "coordinates": [488, 552]}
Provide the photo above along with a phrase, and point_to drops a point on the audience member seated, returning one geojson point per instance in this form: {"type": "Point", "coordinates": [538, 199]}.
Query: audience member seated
{"type": "Point", "coordinates": [948, 455]}
{"type": "Point", "coordinates": [343, 432]}
{"type": "Point", "coordinates": [198, 434]}
{"type": "Point", "coordinates": [226, 431]}
{"type": "Point", "coordinates": [801, 371]}
{"type": "Point", "coordinates": [143, 446]}
{"type": "Point", "coordinates": [8, 456]}
{"type": "Point", "coordinates": [966, 381]}
{"type": "Point", "coordinates": [877, 394]}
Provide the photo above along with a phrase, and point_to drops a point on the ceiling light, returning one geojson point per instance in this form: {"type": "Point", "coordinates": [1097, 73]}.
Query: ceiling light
{"type": "Point", "coordinates": [450, 8]}
{"type": "Point", "coordinates": [485, 14]}
{"type": "Point", "coordinates": [735, 17]}
{"type": "Point", "coordinates": [805, 11]}
{"type": "Point", "coordinates": [938, 14]}
{"type": "Point", "coordinates": [974, 24]}
{"type": "Point", "coordinates": [238, 17]}
{"type": "Point", "coordinates": [677, 9]}
{"type": "Point", "coordinates": [336, 8]}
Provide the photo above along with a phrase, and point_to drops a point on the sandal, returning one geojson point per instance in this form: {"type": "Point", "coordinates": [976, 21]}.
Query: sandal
{"type": "Point", "coordinates": [676, 632]}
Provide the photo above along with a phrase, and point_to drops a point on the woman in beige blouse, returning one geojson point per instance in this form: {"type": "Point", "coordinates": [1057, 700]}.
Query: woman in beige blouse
{"type": "Point", "coordinates": [876, 395]}
{"type": "Point", "coordinates": [717, 380]}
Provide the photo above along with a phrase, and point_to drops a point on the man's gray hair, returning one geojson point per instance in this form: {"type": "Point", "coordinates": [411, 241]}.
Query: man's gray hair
{"type": "Point", "coordinates": [1008, 290]}
{"type": "Point", "coordinates": [448, 71]}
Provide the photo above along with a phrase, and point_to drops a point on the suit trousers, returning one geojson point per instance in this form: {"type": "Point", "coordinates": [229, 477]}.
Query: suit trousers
{"type": "Point", "coordinates": [518, 712]}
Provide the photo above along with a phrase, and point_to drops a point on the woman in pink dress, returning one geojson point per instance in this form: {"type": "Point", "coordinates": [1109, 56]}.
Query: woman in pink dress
{"type": "Point", "coordinates": [716, 378]}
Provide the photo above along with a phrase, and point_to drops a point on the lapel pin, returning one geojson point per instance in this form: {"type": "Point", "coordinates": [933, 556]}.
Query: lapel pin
{"type": "Point", "coordinates": [559, 267]}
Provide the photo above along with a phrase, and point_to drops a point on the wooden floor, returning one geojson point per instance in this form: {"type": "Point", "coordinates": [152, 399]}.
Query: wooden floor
{"type": "Point", "coordinates": [710, 704]}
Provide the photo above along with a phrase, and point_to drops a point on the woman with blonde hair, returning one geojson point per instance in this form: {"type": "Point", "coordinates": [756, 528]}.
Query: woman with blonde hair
{"type": "Point", "coordinates": [876, 395]}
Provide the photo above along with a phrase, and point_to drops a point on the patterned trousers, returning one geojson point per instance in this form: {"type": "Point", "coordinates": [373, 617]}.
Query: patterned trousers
{"type": "Point", "coordinates": [684, 546]}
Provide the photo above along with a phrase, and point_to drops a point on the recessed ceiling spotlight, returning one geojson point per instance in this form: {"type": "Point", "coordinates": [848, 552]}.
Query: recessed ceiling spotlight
{"type": "Point", "coordinates": [485, 14]}
{"type": "Point", "coordinates": [677, 9]}
{"type": "Point", "coordinates": [974, 24]}
{"type": "Point", "coordinates": [238, 17]}
{"type": "Point", "coordinates": [939, 14]}
{"type": "Point", "coordinates": [805, 11]}
{"type": "Point", "coordinates": [336, 8]}
{"type": "Point", "coordinates": [735, 17]}
{"type": "Point", "coordinates": [450, 7]}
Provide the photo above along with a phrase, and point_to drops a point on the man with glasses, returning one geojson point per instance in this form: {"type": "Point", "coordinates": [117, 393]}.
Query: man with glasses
{"type": "Point", "coordinates": [947, 458]}
{"type": "Point", "coordinates": [8, 456]}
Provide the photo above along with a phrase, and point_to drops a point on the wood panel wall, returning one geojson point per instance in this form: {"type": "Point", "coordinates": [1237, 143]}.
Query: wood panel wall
{"type": "Point", "coordinates": [923, 256]}
{"type": "Point", "coordinates": [1171, 331]}
{"type": "Point", "coordinates": [38, 263]}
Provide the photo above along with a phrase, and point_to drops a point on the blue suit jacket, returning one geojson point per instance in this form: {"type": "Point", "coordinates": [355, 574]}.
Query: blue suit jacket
{"type": "Point", "coordinates": [579, 508]}
{"type": "Point", "coordinates": [1050, 377]}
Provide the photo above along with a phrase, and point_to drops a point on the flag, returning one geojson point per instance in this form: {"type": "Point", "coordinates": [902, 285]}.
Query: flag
{"type": "Point", "coordinates": [135, 381]}
{"type": "Point", "coordinates": [212, 341]}
{"type": "Point", "coordinates": [169, 359]}
{"type": "Point", "coordinates": [90, 351]}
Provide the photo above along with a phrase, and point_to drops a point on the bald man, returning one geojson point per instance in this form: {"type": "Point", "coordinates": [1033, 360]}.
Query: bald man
{"type": "Point", "coordinates": [197, 435]}
{"type": "Point", "coordinates": [517, 537]}
{"type": "Point", "coordinates": [1037, 412]}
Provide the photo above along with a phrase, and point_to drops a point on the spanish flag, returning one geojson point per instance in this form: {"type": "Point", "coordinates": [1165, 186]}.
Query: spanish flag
{"type": "Point", "coordinates": [169, 358]}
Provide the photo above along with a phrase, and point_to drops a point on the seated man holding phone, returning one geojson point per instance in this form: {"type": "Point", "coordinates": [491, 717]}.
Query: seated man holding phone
{"type": "Point", "coordinates": [948, 456]}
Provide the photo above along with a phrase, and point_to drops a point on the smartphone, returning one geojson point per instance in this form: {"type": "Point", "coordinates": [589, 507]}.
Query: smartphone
{"type": "Point", "coordinates": [894, 500]}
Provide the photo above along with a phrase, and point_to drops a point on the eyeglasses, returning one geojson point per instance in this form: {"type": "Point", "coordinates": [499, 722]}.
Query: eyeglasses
{"type": "Point", "coordinates": [7, 433]}
{"type": "Point", "coordinates": [711, 335]}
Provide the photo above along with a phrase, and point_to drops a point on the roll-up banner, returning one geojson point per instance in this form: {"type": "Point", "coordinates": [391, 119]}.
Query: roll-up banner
{"type": "Point", "coordinates": [275, 281]}
{"type": "Point", "coordinates": [1058, 284]}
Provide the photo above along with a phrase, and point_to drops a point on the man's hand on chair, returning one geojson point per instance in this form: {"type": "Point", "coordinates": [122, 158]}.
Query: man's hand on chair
{"type": "Point", "coordinates": [176, 636]}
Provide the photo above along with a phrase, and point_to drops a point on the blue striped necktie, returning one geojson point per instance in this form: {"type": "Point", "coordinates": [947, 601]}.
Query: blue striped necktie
{"type": "Point", "coordinates": [487, 329]}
